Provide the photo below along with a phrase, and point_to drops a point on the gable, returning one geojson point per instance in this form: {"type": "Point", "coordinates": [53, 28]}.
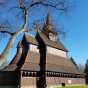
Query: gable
{"type": "Point", "coordinates": [48, 42]}
{"type": "Point", "coordinates": [34, 48]}
{"type": "Point", "coordinates": [56, 52]}
{"type": "Point", "coordinates": [30, 39]}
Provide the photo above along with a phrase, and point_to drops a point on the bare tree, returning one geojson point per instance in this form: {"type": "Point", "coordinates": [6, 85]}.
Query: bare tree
{"type": "Point", "coordinates": [26, 6]}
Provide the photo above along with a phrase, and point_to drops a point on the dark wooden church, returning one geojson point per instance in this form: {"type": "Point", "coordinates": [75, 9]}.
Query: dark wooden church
{"type": "Point", "coordinates": [40, 62]}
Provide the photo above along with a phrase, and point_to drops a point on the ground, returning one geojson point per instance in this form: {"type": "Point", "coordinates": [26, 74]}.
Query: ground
{"type": "Point", "coordinates": [86, 86]}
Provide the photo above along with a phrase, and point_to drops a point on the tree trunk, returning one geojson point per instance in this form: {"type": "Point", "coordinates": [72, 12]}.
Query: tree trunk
{"type": "Point", "coordinates": [5, 54]}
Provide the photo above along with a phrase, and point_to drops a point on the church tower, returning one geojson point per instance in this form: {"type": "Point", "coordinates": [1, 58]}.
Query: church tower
{"type": "Point", "coordinates": [49, 29]}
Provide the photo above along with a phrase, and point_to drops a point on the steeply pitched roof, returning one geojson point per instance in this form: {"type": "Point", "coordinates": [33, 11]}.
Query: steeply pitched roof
{"type": "Point", "coordinates": [48, 25]}
{"type": "Point", "coordinates": [31, 62]}
{"type": "Point", "coordinates": [53, 63]}
{"type": "Point", "coordinates": [31, 39]}
{"type": "Point", "coordinates": [60, 64]}
{"type": "Point", "coordinates": [55, 44]}
{"type": "Point", "coordinates": [10, 67]}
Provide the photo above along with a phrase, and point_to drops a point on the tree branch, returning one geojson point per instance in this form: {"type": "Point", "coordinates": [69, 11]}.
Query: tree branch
{"type": "Point", "coordinates": [3, 31]}
{"type": "Point", "coordinates": [47, 4]}
{"type": "Point", "coordinates": [23, 28]}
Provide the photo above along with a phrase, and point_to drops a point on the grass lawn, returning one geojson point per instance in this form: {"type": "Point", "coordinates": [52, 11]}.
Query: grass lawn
{"type": "Point", "coordinates": [74, 87]}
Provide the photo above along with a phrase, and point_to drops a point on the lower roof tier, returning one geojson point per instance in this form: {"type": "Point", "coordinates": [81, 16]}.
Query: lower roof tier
{"type": "Point", "coordinates": [53, 63]}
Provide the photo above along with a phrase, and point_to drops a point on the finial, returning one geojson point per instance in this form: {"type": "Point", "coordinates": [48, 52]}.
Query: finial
{"type": "Point", "coordinates": [48, 19]}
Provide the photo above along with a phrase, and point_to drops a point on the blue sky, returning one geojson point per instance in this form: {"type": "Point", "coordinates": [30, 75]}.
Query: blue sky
{"type": "Point", "coordinates": [76, 25]}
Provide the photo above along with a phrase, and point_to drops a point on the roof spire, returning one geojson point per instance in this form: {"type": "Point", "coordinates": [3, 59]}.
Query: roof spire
{"type": "Point", "coordinates": [48, 19]}
{"type": "Point", "coordinates": [48, 26]}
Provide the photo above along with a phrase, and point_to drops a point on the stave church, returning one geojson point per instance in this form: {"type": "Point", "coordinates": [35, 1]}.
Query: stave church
{"type": "Point", "coordinates": [41, 62]}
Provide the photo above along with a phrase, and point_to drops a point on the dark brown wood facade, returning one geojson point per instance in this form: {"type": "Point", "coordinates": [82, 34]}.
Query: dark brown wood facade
{"type": "Point", "coordinates": [42, 68]}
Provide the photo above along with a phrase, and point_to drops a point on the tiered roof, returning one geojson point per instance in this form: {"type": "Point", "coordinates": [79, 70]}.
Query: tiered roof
{"type": "Point", "coordinates": [30, 61]}
{"type": "Point", "coordinates": [48, 25]}
{"type": "Point", "coordinates": [48, 42]}
{"type": "Point", "coordinates": [53, 63]}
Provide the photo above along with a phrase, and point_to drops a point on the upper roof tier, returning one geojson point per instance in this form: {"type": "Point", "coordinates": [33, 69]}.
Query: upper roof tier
{"type": "Point", "coordinates": [30, 39]}
{"type": "Point", "coordinates": [54, 44]}
{"type": "Point", "coordinates": [48, 25]}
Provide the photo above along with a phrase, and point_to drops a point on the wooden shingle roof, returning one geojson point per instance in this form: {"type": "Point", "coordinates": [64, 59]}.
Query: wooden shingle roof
{"type": "Point", "coordinates": [10, 67]}
{"type": "Point", "coordinates": [54, 44]}
{"type": "Point", "coordinates": [60, 64]}
{"type": "Point", "coordinates": [48, 25]}
{"type": "Point", "coordinates": [32, 59]}
{"type": "Point", "coordinates": [31, 39]}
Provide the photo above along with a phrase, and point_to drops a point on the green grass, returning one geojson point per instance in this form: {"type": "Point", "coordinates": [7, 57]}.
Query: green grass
{"type": "Point", "coordinates": [77, 87]}
{"type": "Point", "coordinates": [74, 87]}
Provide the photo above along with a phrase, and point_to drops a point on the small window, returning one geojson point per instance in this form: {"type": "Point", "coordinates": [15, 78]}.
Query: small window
{"type": "Point", "coordinates": [52, 37]}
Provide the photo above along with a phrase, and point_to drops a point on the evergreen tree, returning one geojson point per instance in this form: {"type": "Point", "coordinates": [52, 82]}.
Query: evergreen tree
{"type": "Point", "coordinates": [86, 71]}
{"type": "Point", "coordinates": [81, 67]}
{"type": "Point", "coordinates": [86, 67]}
{"type": "Point", "coordinates": [73, 61]}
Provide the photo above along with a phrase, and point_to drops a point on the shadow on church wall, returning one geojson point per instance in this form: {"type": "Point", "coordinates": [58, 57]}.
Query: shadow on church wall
{"type": "Point", "coordinates": [41, 79]}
